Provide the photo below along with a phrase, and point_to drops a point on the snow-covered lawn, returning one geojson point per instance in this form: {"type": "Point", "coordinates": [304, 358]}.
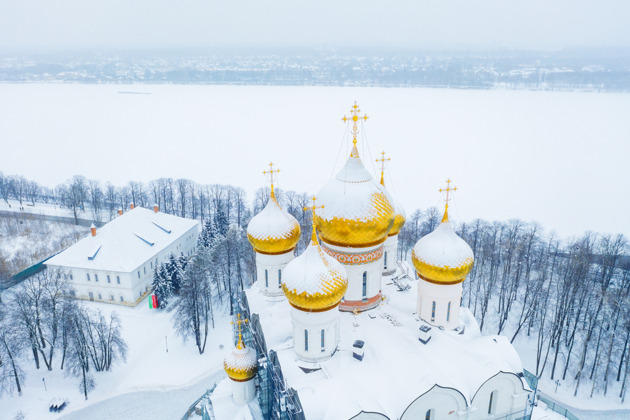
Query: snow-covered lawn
{"type": "Point", "coordinates": [150, 376]}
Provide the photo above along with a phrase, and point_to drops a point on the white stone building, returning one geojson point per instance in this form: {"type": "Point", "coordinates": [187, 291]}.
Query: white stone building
{"type": "Point", "coordinates": [115, 263]}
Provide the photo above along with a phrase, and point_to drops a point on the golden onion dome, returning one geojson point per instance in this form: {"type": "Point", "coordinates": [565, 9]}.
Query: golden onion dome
{"type": "Point", "coordinates": [314, 281]}
{"type": "Point", "coordinates": [273, 230]}
{"type": "Point", "coordinates": [241, 363]}
{"type": "Point", "coordinates": [399, 213]}
{"type": "Point", "coordinates": [358, 212]}
{"type": "Point", "coordinates": [442, 257]}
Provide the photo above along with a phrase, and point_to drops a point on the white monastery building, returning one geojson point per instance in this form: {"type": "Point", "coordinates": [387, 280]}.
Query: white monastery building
{"type": "Point", "coordinates": [352, 337]}
{"type": "Point", "coordinates": [115, 263]}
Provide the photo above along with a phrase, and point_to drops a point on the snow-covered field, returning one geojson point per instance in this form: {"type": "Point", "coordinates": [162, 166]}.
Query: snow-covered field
{"type": "Point", "coordinates": [555, 157]}
{"type": "Point", "coordinates": [152, 383]}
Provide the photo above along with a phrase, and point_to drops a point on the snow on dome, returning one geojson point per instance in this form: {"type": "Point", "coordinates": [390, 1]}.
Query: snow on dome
{"type": "Point", "coordinates": [358, 212]}
{"type": "Point", "coordinates": [442, 256]}
{"type": "Point", "coordinates": [314, 281]}
{"type": "Point", "coordinates": [241, 363]}
{"type": "Point", "coordinates": [399, 219]}
{"type": "Point", "coordinates": [273, 230]}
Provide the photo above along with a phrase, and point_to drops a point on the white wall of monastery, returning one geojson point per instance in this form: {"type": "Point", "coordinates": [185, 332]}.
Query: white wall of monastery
{"type": "Point", "coordinates": [442, 295]}
{"type": "Point", "coordinates": [390, 251]}
{"type": "Point", "coordinates": [314, 323]}
{"type": "Point", "coordinates": [269, 270]}
{"type": "Point", "coordinates": [243, 392]}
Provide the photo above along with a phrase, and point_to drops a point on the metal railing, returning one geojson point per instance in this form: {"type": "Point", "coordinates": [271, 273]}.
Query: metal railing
{"type": "Point", "coordinates": [557, 408]}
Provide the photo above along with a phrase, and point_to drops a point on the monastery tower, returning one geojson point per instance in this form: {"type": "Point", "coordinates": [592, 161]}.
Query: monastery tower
{"type": "Point", "coordinates": [357, 216]}
{"type": "Point", "coordinates": [273, 233]}
{"type": "Point", "coordinates": [314, 284]}
{"type": "Point", "coordinates": [442, 260]}
{"type": "Point", "coordinates": [241, 365]}
{"type": "Point", "coordinates": [390, 248]}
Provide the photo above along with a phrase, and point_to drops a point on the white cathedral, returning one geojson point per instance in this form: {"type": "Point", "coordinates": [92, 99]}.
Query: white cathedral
{"type": "Point", "coordinates": [343, 332]}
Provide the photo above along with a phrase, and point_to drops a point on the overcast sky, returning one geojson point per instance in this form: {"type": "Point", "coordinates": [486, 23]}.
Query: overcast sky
{"type": "Point", "coordinates": [535, 24]}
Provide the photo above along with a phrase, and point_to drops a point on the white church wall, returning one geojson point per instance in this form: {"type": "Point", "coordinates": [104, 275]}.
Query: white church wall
{"type": "Point", "coordinates": [243, 392]}
{"type": "Point", "coordinates": [312, 324]}
{"type": "Point", "coordinates": [443, 403]}
{"type": "Point", "coordinates": [508, 397]}
{"type": "Point", "coordinates": [442, 294]}
{"type": "Point", "coordinates": [269, 270]}
{"type": "Point", "coordinates": [390, 250]}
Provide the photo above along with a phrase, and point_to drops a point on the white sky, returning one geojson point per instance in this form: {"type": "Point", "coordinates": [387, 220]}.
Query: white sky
{"type": "Point", "coordinates": [43, 24]}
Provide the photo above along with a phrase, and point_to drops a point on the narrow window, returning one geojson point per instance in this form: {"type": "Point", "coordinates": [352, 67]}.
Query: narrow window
{"type": "Point", "coordinates": [385, 258]}
{"type": "Point", "coordinates": [151, 265]}
{"type": "Point", "coordinates": [266, 278]}
{"type": "Point", "coordinates": [118, 279]}
{"type": "Point", "coordinates": [364, 284]}
{"type": "Point", "coordinates": [138, 273]}
{"type": "Point", "coordinates": [448, 312]}
{"type": "Point", "coordinates": [305, 340]}
{"type": "Point", "coordinates": [96, 278]}
{"type": "Point", "coordinates": [429, 415]}
{"type": "Point", "coordinates": [71, 276]}
{"type": "Point", "coordinates": [323, 341]}
{"type": "Point", "coordinates": [88, 276]}
{"type": "Point", "coordinates": [145, 269]}
{"type": "Point", "coordinates": [109, 280]}
{"type": "Point", "coordinates": [91, 295]}
{"type": "Point", "coordinates": [433, 311]}
{"type": "Point", "coordinates": [100, 297]}
{"type": "Point", "coordinates": [492, 403]}
{"type": "Point", "coordinates": [121, 299]}
{"type": "Point", "coordinates": [279, 277]}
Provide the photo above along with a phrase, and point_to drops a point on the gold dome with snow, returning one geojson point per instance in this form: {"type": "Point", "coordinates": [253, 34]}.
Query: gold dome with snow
{"type": "Point", "coordinates": [442, 257]}
{"type": "Point", "coordinates": [273, 230]}
{"type": "Point", "coordinates": [241, 363]}
{"type": "Point", "coordinates": [314, 281]}
{"type": "Point", "coordinates": [399, 220]}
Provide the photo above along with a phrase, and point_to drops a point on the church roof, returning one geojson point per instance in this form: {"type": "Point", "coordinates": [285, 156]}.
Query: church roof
{"type": "Point", "coordinates": [126, 242]}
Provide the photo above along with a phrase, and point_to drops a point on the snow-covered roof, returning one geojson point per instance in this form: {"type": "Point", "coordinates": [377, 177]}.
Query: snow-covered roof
{"type": "Point", "coordinates": [393, 355]}
{"type": "Point", "coordinates": [273, 229]}
{"type": "Point", "coordinates": [443, 248]}
{"type": "Point", "coordinates": [126, 242]}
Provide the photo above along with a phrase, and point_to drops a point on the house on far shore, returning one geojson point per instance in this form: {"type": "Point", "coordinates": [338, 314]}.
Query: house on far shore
{"type": "Point", "coordinates": [115, 263]}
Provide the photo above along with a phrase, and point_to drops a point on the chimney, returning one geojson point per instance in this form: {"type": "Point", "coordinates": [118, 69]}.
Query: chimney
{"type": "Point", "coordinates": [156, 208]}
{"type": "Point", "coordinates": [120, 212]}
{"type": "Point", "coordinates": [131, 206]}
{"type": "Point", "coordinates": [93, 229]}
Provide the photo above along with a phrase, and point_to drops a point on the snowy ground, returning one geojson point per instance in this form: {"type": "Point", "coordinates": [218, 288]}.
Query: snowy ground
{"type": "Point", "coordinates": [544, 156]}
{"type": "Point", "coordinates": [152, 383]}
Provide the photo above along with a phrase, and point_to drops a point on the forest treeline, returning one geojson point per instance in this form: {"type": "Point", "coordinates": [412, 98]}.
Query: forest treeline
{"type": "Point", "coordinates": [569, 299]}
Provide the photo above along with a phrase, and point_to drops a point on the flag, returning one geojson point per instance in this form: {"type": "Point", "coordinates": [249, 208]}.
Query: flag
{"type": "Point", "coordinates": [155, 301]}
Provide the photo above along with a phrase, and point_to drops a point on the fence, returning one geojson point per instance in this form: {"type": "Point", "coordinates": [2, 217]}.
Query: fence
{"type": "Point", "coordinates": [557, 408]}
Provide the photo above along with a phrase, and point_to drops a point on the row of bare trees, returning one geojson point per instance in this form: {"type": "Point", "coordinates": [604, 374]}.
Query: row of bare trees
{"type": "Point", "coordinates": [569, 300]}
{"type": "Point", "coordinates": [40, 322]}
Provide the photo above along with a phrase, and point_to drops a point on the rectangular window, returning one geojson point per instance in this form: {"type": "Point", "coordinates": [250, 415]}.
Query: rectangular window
{"type": "Point", "coordinates": [138, 273]}
{"type": "Point", "coordinates": [266, 279]}
{"type": "Point", "coordinates": [96, 278]}
{"type": "Point", "coordinates": [433, 311]}
{"type": "Point", "coordinates": [305, 340]}
{"type": "Point", "coordinates": [448, 312]}
{"type": "Point", "coordinates": [109, 280]}
{"type": "Point", "coordinates": [279, 277]}
{"type": "Point", "coordinates": [365, 285]}
{"type": "Point", "coordinates": [88, 276]}
{"type": "Point", "coordinates": [151, 265]}
{"type": "Point", "coordinates": [70, 276]}
{"type": "Point", "coordinates": [91, 295]}
{"type": "Point", "coordinates": [145, 269]}
{"type": "Point", "coordinates": [100, 297]}
{"type": "Point", "coordinates": [121, 299]}
{"type": "Point", "coordinates": [111, 297]}
{"type": "Point", "coordinates": [118, 279]}
{"type": "Point", "coordinates": [323, 346]}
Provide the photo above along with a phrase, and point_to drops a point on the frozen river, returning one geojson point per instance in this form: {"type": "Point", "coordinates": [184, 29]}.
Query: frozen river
{"type": "Point", "coordinates": [560, 158]}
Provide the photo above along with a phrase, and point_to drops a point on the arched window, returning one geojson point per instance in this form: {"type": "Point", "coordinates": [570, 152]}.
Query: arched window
{"type": "Point", "coordinates": [429, 415]}
{"type": "Point", "coordinates": [266, 278]}
{"type": "Point", "coordinates": [323, 347]}
{"type": "Point", "coordinates": [492, 403]}
{"type": "Point", "coordinates": [448, 312]}
{"type": "Point", "coordinates": [385, 259]}
{"type": "Point", "coordinates": [305, 340]}
{"type": "Point", "coordinates": [279, 277]}
{"type": "Point", "coordinates": [433, 311]}
{"type": "Point", "coordinates": [364, 284]}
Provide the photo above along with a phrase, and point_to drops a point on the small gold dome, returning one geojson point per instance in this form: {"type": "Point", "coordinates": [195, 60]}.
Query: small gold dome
{"type": "Point", "coordinates": [358, 212]}
{"type": "Point", "coordinates": [241, 363]}
{"type": "Point", "coordinates": [314, 281]}
{"type": "Point", "coordinates": [399, 222]}
{"type": "Point", "coordinates": [442, 257]}
{"type": "Point", "coordinates": [273, 230]}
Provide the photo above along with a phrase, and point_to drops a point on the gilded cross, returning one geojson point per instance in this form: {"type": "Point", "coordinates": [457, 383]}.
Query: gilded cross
{"type": "Point", "coordinates": [355, 115]}
{"type": "Point", "coordinates": [240, 321]}
{"type": "Point", "coordinates": [382, 160]}
{"type": "Point", "coordinates": [448, 189]}
{"type": "Point", "coordinates": [270, 172]}
{"type": "Point", "coordinates": [312, 209]}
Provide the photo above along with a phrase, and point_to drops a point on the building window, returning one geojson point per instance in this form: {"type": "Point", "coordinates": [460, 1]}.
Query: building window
{"type": "Point", "coordinates": [429, 415]}
{"type": "Point", "coordinates": [151, 265]}
{"type": "Point", "coordinates": [492, 404]}
{"type": "Point", "coordinates": [279, 277]}
{"type": "Point", "coordinates": [91, 295]}
{"type": "Point", "coordinates": [365, 285]}
{"type": "Point", "coordinates": [118, 279]}
{"type": "Point", "coordinates": [121, 299]}
{"type": "Point", "coordinates": [323, 340]}
{"type": "Point", "coordinates": [448, 312]}
{"type": "Point", "coordinates": [73, 293]}
{"type": "Point", "coordinates": [100, 297]}
{"type": "Point", "coordinates": [109, 280]}
{"type": "Point", "coordinates": [70, 276]}
{"type": "Point", "coordinates": [305, 340]}
{"type": "Point", "coordinates": [138, 273]}
{"type": "Point", "coordinates": [266, 279]}
{"type": "Point", "coordinates": [145, 269]}
{"type": "Point", "coordinates": [96, 278]}
{"type": "Point", "coordinates": [111, 297]}
{"type": "Point", "coordinates": [88, 276]}
{"type": "Point", "coordinates": [433, 311]}
{"type": "Point", "coordinates": [385, 259]}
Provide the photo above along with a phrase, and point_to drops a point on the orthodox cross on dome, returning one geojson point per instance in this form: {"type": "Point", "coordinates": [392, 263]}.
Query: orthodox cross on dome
{"type": "Point", "coordinates": [382, 160]}
{"type": "Point", "coordinates": [313, 208]}
{"type": "Point", "coordinates": [240, 344]}
{"type": "Point", "coordinates": [270, 172]}
{"type": "Point", "coordinates": [355, 115]}
{"type": "Point", "coordinates": [448, 190]}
